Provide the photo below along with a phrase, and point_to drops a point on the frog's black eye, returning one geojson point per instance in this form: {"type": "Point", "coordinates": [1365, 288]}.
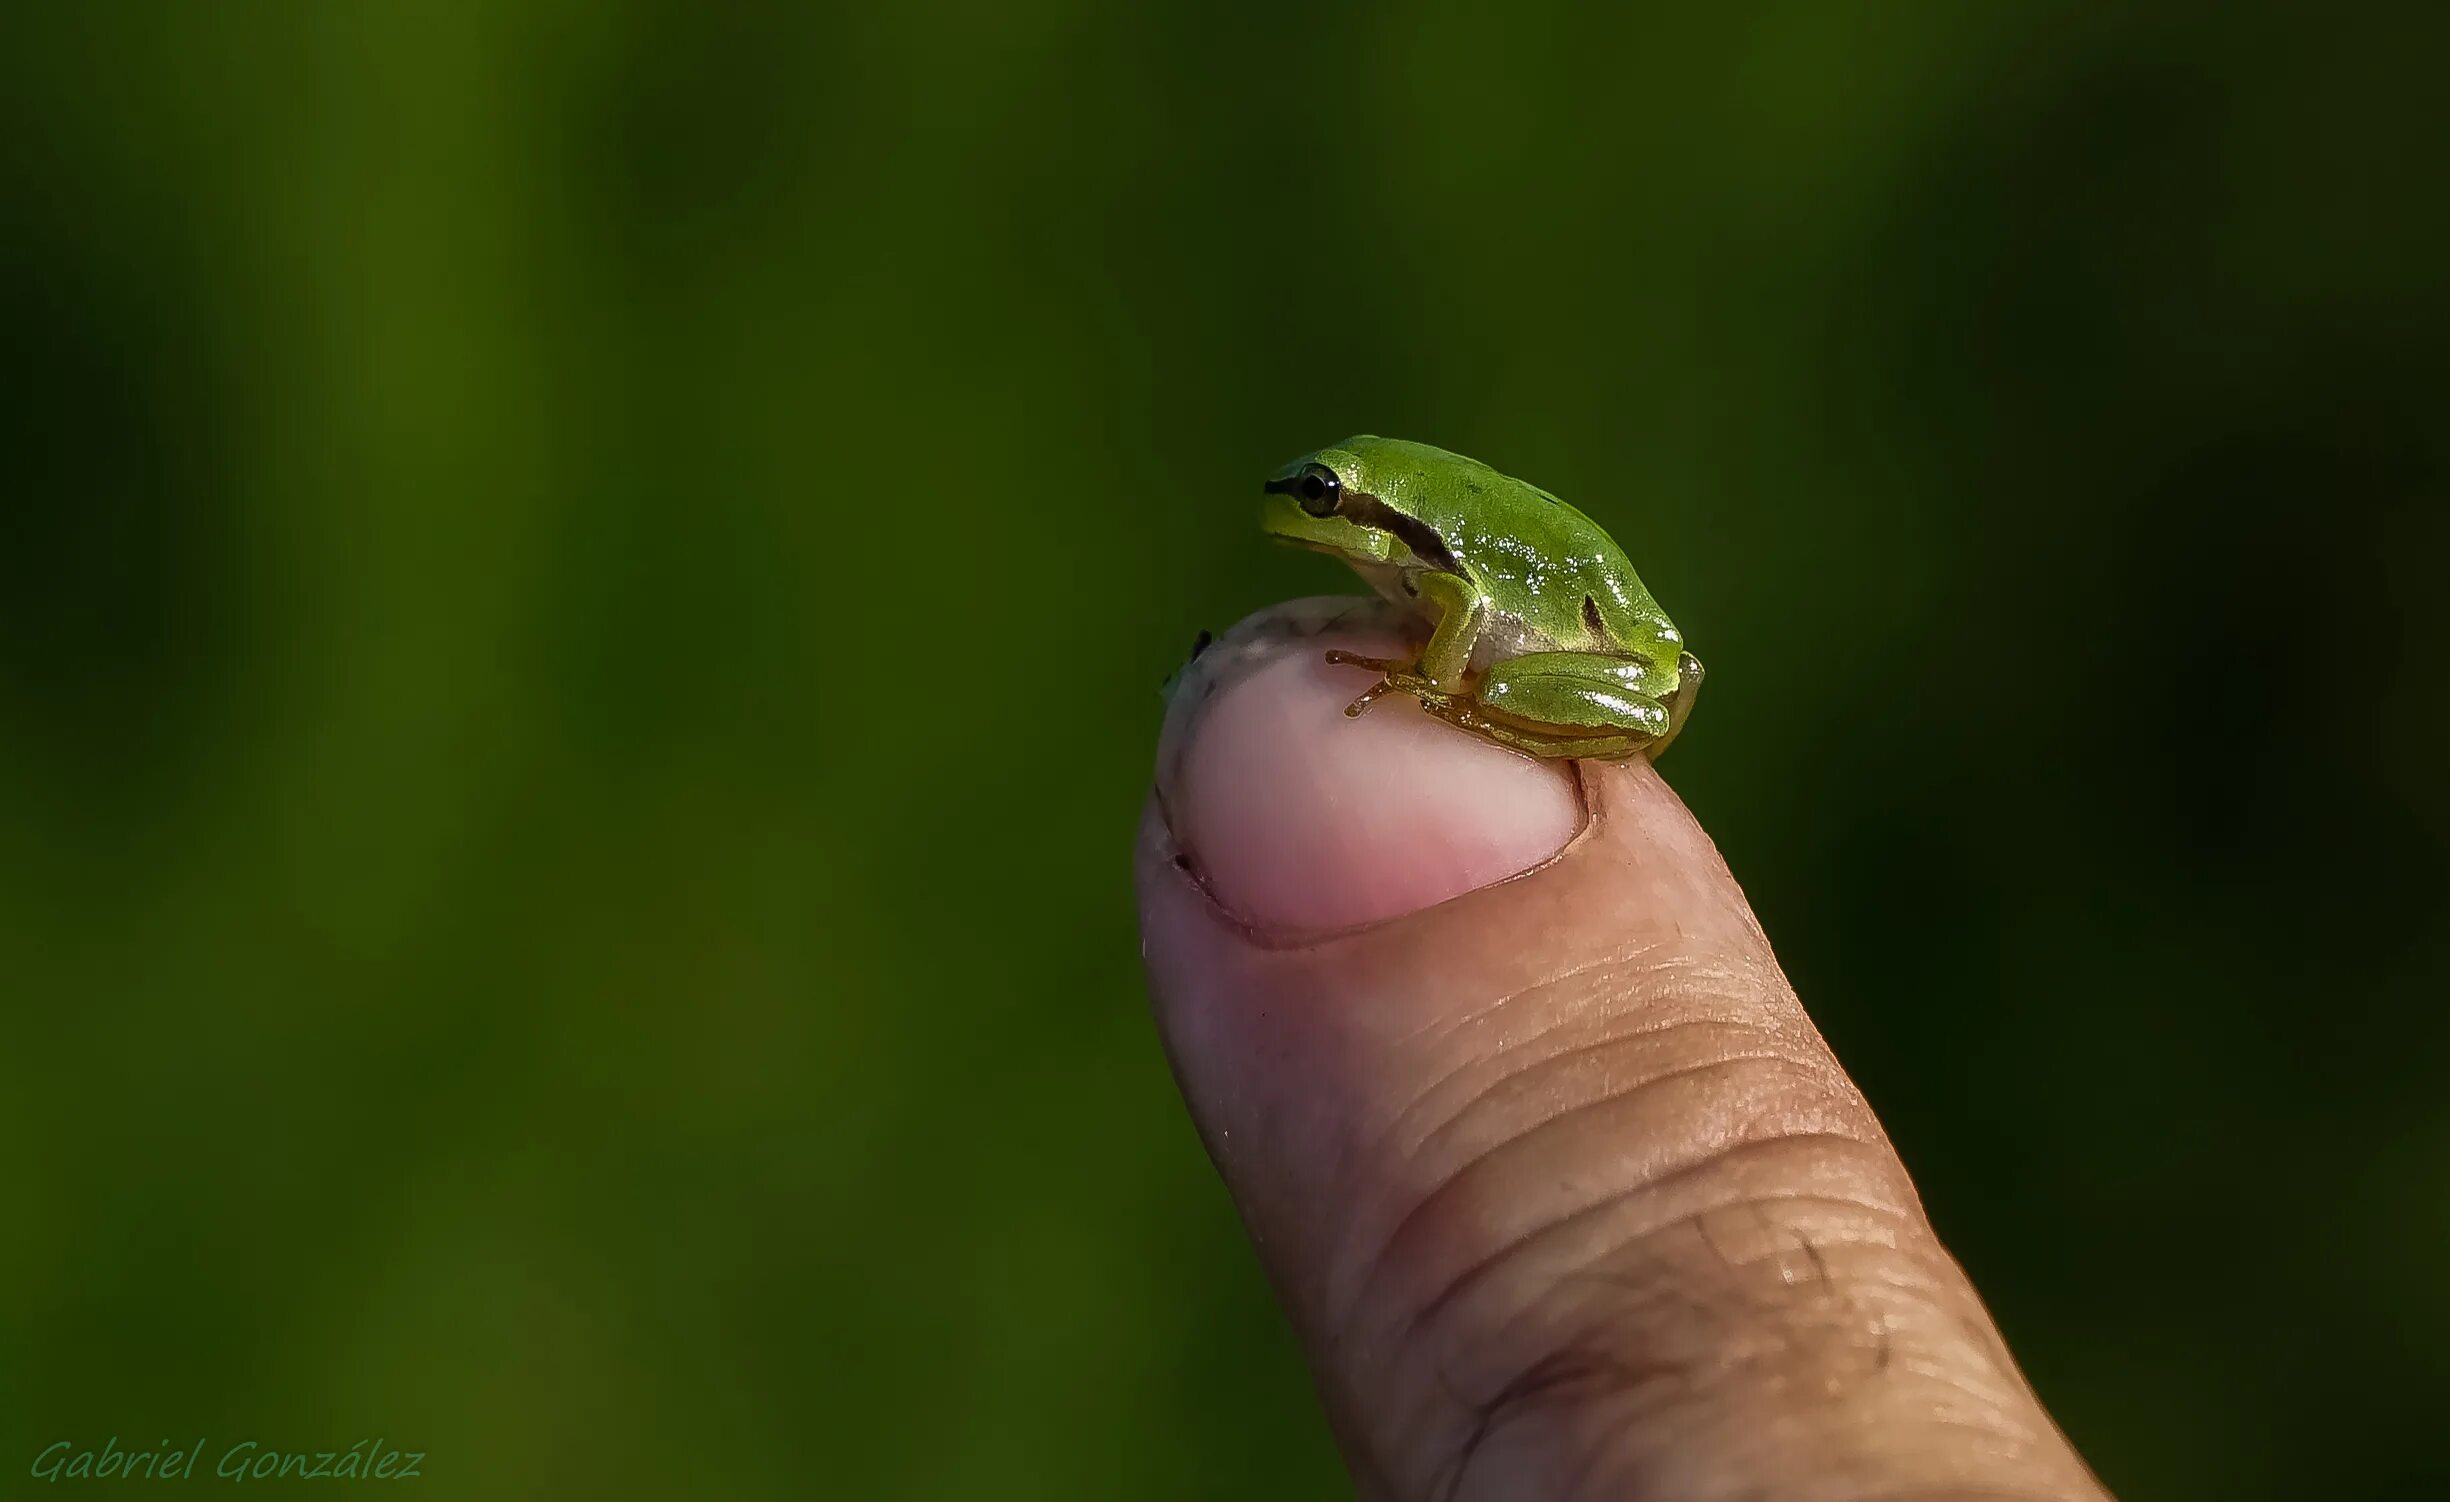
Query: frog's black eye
{"type": "Point", "coordinates": [1315, 486]}
{"type": "Point", "coordinates": [1318, 489]}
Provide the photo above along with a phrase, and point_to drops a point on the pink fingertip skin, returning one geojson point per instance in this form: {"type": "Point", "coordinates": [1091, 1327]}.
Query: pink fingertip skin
{"type": "Point", "coordinates": [1300, 819]}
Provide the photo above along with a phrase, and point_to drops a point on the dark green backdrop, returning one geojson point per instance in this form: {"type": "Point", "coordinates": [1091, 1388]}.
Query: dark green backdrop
{"type": "Point", "coordinates": [583, 587]}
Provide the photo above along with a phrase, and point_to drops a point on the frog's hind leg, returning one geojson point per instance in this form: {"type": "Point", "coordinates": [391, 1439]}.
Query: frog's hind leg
{"type": "Point", "coordinates": [1551, 742]}
{"type": "Point", "coordinates": [1574, 704]}
{"type": "Point", "coordinates": [1679, 703]}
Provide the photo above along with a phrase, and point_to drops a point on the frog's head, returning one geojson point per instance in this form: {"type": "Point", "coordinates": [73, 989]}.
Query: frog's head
{"type": "Point", "coordinates": [1313, 502]}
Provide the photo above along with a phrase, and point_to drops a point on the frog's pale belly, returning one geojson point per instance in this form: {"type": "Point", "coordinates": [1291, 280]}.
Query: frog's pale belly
{"type": "Point", "coordinates": [1503, 634]}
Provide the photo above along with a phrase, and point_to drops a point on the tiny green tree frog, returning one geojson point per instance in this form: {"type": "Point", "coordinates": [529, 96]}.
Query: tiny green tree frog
{"type": "Point", "coordinates": [1542, 637]}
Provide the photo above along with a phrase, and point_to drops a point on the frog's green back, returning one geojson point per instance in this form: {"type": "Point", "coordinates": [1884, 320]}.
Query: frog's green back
{"type": "Point", "coordinates": [1506, 531]}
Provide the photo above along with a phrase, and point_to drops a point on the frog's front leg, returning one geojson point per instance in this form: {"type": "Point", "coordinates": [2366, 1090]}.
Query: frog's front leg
{"type": "Point", "coordinates": [1461, 612]}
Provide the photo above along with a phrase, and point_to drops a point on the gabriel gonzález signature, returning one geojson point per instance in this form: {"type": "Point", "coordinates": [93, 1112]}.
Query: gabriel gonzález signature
{"type": "Point", "coordinates": [245, 1460]}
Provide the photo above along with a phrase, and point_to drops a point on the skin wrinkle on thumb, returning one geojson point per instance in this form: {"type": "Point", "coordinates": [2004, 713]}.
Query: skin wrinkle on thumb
{"type": "Point", "coordinates": [1562, 1096]}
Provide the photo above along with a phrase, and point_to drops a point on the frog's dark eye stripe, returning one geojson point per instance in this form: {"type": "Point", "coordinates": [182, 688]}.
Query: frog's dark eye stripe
{"type": "Point", "coordinates": [1316, 487]}
{"type": "Point", "coordinates": [1426, 545]}
{"type": "Point", "coordinates": [1591, 617]}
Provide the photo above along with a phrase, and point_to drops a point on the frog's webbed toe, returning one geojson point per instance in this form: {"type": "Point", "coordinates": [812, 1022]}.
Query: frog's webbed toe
{"type": "Point", "coordinates": [1400, 678]}
{"type": "Point", "coordinates": [1388, 665]}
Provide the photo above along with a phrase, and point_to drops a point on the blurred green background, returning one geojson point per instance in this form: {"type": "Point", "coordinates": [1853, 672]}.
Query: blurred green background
{"type": "Point", "coordinates": [584, 585]}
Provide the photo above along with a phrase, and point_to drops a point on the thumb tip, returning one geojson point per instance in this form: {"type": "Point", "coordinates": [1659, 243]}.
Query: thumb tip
{"type": "Point", "coordinates": [1300, 817]}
